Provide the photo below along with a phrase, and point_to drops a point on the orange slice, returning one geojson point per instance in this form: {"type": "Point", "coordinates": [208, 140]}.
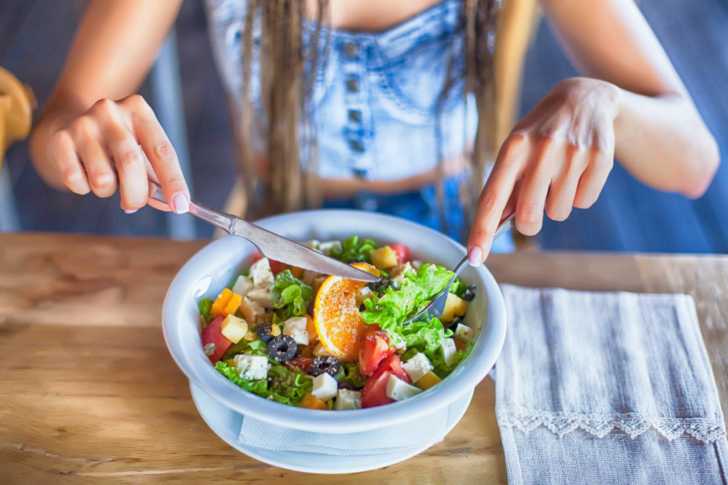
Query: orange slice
{"type": "Point", "coordinates": [336, 315]}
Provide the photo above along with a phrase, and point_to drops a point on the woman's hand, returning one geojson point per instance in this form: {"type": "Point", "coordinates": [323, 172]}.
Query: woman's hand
{"type": "Point", "coordinates": [556, 158]}
{"type": "Point", "coordinates": [113, 145]}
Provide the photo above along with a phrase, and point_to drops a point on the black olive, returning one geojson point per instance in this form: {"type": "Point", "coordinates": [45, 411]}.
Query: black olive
{"type": "Point", "coordinates": [469, 293]}
{"type": "Point", "coordinates": [264, 332]}
{"type": "Point", "coordinates": [326, 364]}
{"type": "Point", "coordinates": [282, 348]}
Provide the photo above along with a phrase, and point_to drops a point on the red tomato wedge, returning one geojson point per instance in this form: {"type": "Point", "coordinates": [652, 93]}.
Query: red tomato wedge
{"type": "Point", "coordinates": [375, 391]}
{"type": "Point", "coordinates": [403, 252]}
{"type": "Point", "coordinates": [373, 350]}
{"type": "Point", "coordinates": [276, 266]}
{"type": "Point", "coordinates": [393, 365]}
{"type": "Point", "coordinates": [214, 342]}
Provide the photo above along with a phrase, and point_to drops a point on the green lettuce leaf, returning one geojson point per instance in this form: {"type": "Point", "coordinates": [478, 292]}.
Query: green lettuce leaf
{"type": "Point", "coordinates": [283, 385]}
{"type": "Point", "coordinates": [391, 309]}
{"type": "Point", "coordinates": [349, 374]}
{"type": "Point", "coordinates": [258, 387]}
{"type": "Point", "coordinates": [291, 296]}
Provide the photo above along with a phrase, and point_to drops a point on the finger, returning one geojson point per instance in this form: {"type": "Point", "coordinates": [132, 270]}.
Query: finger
{"type": "Point", "coordinates": [560, 199]}
{"type": "Point", "coordinates": [129, 162]}
{"type": "Point", "coordinates": [99, 170]}
{"type": "Point", "coordinates": [160, 152]}
{"type": "Point", "coordinates": [495, 197]}
{"type": "Point", "coordinates": [64, 154]}
{"type": "Point", "coordinates": [592, 181]}
{"type": "Point", "coordinates": [595, 176]}
{"type": "Point", "coordinates": [534, 187]}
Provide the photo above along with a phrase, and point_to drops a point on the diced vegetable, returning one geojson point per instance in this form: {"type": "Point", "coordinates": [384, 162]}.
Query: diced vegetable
{"type": "Point", "coordinates": [384, 257]}
{"type": "Point", "coordinates": [234, 328]}
{"type": "Point", "coordinates": [312, 402]}
{"type": "Point", "coordinates": [214, 343]}
{"type": "Point", "coordinates": [373, 350]}
{"type": "Point", "coordinates": [454, 307]}
{"type": "Point", "coordinates": [403, 252]}
{"type": "Point", "coordinates": [375, 391]}
{"type": "Point", "coordinates": [393, 365]}
{"type": "Point", "coordinates": [428, 380]}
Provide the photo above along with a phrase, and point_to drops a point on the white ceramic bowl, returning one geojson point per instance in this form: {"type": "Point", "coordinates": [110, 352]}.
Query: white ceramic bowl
{"type": "Point", "coordinates": [208, 271]}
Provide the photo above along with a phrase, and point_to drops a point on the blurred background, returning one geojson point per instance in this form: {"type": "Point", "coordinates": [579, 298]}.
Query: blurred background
{"type": "Point", "coordinates": [35, 36]}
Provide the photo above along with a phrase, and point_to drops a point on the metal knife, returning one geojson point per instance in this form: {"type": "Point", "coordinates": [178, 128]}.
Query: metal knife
{"type": "Point", "coordinates": [272, 245]}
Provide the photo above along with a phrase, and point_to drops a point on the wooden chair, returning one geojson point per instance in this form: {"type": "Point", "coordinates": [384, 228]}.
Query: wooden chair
{"type": "Point", "coordinates": [516, 24]}
{"type": "Point", "coordinates": [16, 113]}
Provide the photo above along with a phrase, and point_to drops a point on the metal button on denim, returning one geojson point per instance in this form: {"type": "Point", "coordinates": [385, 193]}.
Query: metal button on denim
{"type": "Point", "coordinates": [354, 115]}
{"type": "Point", "coordinates": [352, 85]}
{"type": "Point", "coordinates": [351, 49]}
{"type": "Point", "coordinates": [356, 145]}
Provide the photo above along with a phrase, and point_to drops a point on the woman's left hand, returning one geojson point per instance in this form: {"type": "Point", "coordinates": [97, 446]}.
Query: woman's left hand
{"type": "Point", "coordinates": [556, 158]}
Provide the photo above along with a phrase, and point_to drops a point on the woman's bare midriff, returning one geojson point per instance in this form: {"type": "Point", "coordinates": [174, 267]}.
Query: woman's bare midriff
{"type": "Point", "coordinates": [370, 16]}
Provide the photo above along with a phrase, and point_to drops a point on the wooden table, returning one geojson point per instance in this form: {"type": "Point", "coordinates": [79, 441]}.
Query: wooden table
{"type": "Point", "coordinates": [88, 393]}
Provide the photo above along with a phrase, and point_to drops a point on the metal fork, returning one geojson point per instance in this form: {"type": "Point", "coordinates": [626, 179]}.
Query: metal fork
{"type": "Point", "coordinates": [436, 307]}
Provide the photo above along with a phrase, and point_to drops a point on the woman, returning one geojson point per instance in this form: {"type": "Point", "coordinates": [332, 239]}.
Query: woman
{"type": "Point", "coordinates": [374, 104]}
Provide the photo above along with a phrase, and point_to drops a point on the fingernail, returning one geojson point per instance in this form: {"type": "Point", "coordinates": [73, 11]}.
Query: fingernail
{"type": "Point", "coordinates": [180, 203]}
{"type": "Point", "coordinates": [475, 256]}
{"type": "Point", "coordinates": [130, 211]}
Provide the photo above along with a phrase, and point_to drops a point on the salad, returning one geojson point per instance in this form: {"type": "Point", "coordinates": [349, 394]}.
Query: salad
{"type": "Point", "coordinates": [325, 342]}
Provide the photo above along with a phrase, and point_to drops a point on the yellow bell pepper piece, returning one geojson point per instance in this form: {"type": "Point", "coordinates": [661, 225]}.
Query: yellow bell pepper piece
{"type": "Point", "coordinates": [312, 402]}
{"type": "Point", "coordinates": [226, 303]}
{"type": "Point", "coordinates": [232, 304]}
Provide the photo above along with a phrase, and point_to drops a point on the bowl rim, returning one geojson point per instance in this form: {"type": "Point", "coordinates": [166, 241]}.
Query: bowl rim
{"type": "Point", "coordinates": [471, 371]}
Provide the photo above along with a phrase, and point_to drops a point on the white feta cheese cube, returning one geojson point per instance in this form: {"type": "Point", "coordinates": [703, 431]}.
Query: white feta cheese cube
{"type": "Point", "coordinates": [233, 328]}
{"type": "Point", "coordinates": [243, 285]}
{"type": "Point", "coordinates": [463, 332]}
{"type": "Point", "coordinates": [399, 390]}
{"type": "Point", "coordinates": [261, 274]}
{"type": "Point", "coordinates": [447, 347]}
{"type": "Point", "coordinates": [346, 399]}
{"type": "Point", "coordinates": [328, 247]}
{"type": "Point", "coordinates": [262, 296]}
{"type": "Point", "coordinates": [296, 328]}
{"type": "Point", "coordinates": [324, 387]}
{"type": "Point", "coordinates": [252, 367]}
{"type": "Point", "coordinates": [417, 366]}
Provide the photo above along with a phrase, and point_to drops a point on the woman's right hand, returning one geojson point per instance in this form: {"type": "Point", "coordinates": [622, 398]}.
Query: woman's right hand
{"type": "Point", "coordinates": [112, 145]}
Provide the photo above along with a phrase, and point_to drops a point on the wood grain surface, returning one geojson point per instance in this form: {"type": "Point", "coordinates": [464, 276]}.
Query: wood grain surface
{"type": "Point", "coordinates": [89, 393]}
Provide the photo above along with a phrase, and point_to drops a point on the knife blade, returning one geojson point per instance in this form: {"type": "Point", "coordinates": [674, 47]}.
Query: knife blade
{"type": "Point", "coordinates": [275, 246]}
{"type": "Point", "coordinates": [272, 245]}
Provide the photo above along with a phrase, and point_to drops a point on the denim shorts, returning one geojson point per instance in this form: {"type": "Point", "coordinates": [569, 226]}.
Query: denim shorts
{"type": "Point", "coordinates": [375, 101]}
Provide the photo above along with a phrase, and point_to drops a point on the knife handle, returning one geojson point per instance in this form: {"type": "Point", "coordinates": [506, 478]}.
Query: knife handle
{"type": "Point", "coordinates": [215, 218]}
